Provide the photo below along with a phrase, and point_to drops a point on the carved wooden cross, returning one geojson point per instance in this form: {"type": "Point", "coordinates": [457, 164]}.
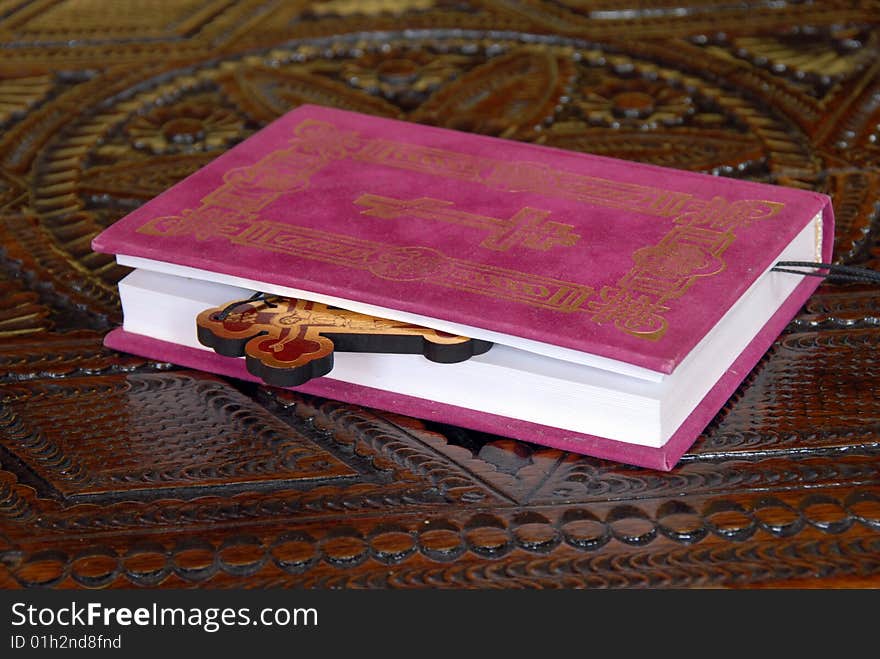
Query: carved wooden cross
{"type": "Point", "coordinates": [286, 342]}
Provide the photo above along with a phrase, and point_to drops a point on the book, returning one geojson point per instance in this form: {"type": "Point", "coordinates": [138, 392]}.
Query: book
{"type": "Point", "coordinates": [625, 302]}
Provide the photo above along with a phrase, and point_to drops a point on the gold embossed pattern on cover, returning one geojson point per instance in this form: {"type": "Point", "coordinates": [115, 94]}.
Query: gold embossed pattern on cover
{"type": "Point", "coordinates": [703, 230]}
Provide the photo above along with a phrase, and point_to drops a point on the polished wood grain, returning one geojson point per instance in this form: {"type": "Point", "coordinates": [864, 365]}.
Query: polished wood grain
{"type": "Point", "coordinates": [116, 471]}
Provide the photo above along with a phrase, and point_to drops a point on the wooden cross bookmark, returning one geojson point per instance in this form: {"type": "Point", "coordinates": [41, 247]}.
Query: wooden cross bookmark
{"type": "Point", "coordinates": [286, 342]}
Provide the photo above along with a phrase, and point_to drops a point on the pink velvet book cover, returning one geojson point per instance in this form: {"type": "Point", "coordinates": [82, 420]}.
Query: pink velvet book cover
{"type": "Point", "coordinates": [627, 261]}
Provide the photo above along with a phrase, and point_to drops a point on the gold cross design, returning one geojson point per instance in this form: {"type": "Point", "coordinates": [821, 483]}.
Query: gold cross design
{"type": "Point", "coordinates": [528, 227]}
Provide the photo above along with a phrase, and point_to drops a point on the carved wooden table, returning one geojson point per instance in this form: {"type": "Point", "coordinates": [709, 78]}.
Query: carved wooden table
{"type": "Point", "coordinates": [120, 472]}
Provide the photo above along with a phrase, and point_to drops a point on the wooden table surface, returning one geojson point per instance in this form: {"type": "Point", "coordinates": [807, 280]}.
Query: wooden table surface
{"type": "Point", "coordinates": [118, 472]}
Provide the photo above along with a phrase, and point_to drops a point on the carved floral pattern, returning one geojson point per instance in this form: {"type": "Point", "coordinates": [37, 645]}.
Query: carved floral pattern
{"type": "Point", "coordinates": [184, 128]}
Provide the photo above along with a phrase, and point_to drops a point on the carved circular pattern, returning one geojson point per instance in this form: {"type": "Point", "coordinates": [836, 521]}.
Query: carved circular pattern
{"type": "Point", "coordinates": [442, 541]}
{"type": "Point", "coordinates": [294, 552]}
{"type": "Point", "coordinates": [147, 565]}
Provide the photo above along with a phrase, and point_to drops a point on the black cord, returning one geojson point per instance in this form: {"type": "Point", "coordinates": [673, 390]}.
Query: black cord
{"type": "Point", "coordinates": [256, 297]}
{"type": "Point", "coordinates": [843, 273]}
